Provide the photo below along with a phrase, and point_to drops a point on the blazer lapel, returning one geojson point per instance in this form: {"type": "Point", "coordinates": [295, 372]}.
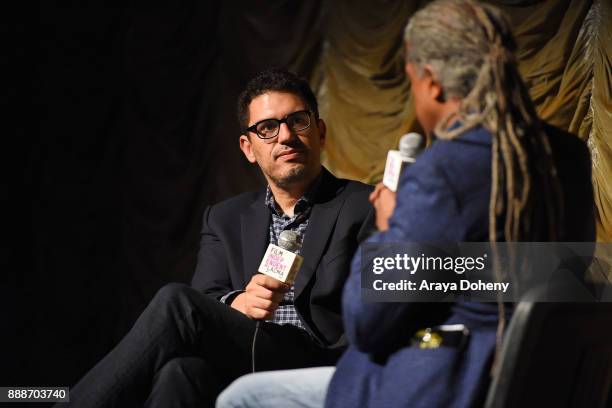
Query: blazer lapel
{"type": "Point", "coordinates": [320, 225]}
{"type": "Point", "coordinates": [254, 224]}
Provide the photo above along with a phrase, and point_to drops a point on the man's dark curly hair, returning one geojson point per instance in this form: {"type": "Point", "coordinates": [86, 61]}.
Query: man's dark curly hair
{"type": "Point", "coordinates": [279, 80]}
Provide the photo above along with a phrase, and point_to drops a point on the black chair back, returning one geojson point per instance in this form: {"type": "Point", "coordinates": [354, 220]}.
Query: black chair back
{"type": "Point", "coordinates": [555, 355]}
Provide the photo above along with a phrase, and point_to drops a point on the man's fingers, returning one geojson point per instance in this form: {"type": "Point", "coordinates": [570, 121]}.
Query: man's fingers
{"type": "Point", "coordinates": [267, 294]}
{"type": "Point", "coordinates": [261, 292]}
{"type": "Point", "coordinates": [372, 197]}
{"type": "Point", "coordinates": [386, 193]}
{"type": "Point", "coordinates": [376, 192]}
{"type": "Point", "coordinates": [259, 308]}
{"type": "Point", "coordinates": [270, 283]}
{"type": "Point", "coordinates": [259, 314]}
{"type": "Point", "coordinates": [264, 304]}
{"type": "Point", "coordinates": [264, 295]}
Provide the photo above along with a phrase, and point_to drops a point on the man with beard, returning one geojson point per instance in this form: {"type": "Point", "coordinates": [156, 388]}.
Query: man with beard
{"type": "Point", "coordinates": [191, 342]}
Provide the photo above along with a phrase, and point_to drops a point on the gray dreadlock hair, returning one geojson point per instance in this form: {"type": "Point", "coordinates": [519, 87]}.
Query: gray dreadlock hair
{"type": "Point", "coordinates": [470, 48]}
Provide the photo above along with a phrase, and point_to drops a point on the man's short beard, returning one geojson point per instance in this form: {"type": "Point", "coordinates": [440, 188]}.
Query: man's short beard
{"type": "Point", "coordinates": [294, 175]}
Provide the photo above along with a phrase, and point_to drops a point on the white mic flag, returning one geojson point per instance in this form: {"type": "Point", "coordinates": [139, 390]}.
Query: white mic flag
{"type": "Point", "coordinates": [410, 146]}
{"type": "Point", "coordinates": [279, 261]}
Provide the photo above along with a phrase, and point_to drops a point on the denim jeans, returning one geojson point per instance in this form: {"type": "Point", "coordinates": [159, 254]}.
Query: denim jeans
{"type": "Point", "coordinates": [301, 388]}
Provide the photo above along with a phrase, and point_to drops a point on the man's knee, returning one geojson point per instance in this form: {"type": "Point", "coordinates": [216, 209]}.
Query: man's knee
{"type": "Point", "coordinates": [243, 392]}
{"type": "Point", "coordinates": [173, 299]}
{"type": "Point", "coordinates": [171, 369]}
{"type": "Point", "coordinates": [172, 293]}
{"type": "Point", "coordinates": [179, 301]}
{"type": "Point", "coordinates": [235, 395]}
{"type": "Point", "coordinates": [182, 367]}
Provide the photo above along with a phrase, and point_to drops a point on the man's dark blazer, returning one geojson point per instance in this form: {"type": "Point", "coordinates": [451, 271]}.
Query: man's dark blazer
{"type": "Point", "coordinates": [235, 235]}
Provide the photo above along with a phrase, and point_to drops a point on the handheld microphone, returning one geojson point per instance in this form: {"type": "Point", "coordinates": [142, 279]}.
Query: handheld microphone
{"type": "Point", "coordinates": [410, 146]}
{"type": "Point", "coordinates": [280, 261]}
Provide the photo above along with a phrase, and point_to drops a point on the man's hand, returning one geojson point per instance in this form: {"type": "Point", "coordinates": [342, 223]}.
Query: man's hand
{"type": "Point", "coordinates": [383, 201]}
{"type": "Point", "coordinates": [261, 297]}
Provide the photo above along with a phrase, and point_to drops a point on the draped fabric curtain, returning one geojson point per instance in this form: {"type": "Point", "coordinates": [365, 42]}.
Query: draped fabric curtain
{"type": "Point", "coordinates": [364, 93]}
{"type": "Point", "coordinates": [565, 58]}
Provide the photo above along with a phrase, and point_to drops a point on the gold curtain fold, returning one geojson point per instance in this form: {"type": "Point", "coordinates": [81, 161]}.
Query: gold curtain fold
{"type": "Point", "coordinates": [598, 127]}
{"type": "Point", "coordinates": [564, 54]}
{"type": "Point", "coordinates": [364, 94]}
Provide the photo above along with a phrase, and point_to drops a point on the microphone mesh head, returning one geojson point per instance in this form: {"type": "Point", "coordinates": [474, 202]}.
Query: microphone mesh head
{"type": "Point", "coordinates": [288, 240]}
{"type": "Point", "coordinates": [410, 145]}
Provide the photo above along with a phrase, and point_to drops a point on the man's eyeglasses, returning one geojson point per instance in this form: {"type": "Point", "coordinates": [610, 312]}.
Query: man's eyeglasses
{"type": "Point", "coordinates": [269, 128]}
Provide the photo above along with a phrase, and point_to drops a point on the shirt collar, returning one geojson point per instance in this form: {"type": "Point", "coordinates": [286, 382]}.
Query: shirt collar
{"type": "Point", "coordinates": [304, 203]}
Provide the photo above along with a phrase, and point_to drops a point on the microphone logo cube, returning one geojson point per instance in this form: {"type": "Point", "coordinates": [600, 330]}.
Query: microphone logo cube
{"type": "Point", "coordinates": [280, 264]}
{"type": "Point", "coordinates": [393, 169]}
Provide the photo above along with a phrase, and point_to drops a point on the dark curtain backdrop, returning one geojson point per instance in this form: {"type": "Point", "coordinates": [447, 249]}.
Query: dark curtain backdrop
{"type": "Point", "coordinates": [124, 130]}
{"type": "Point", "coordinates": [131, 133]}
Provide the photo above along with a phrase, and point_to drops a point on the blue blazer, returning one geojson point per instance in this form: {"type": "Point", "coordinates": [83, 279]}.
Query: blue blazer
{"type": "Point", "coordinates": [443, 197]}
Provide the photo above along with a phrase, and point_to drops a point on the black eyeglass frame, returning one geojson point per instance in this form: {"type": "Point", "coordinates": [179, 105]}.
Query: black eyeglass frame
{"type": "Point", "coordinates": [253, 128]}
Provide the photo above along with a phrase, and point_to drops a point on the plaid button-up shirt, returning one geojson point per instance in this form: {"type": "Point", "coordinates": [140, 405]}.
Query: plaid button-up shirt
{"type": "Point", "coordinates": [286, 313]}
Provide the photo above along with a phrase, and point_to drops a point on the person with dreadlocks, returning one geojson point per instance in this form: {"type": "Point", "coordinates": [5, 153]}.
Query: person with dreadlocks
{"type": "Point", "coordinates": [495, 172]}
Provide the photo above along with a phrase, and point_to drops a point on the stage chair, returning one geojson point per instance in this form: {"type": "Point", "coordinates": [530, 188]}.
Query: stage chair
{"type": "Point", "coordinates": [556, 355]}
